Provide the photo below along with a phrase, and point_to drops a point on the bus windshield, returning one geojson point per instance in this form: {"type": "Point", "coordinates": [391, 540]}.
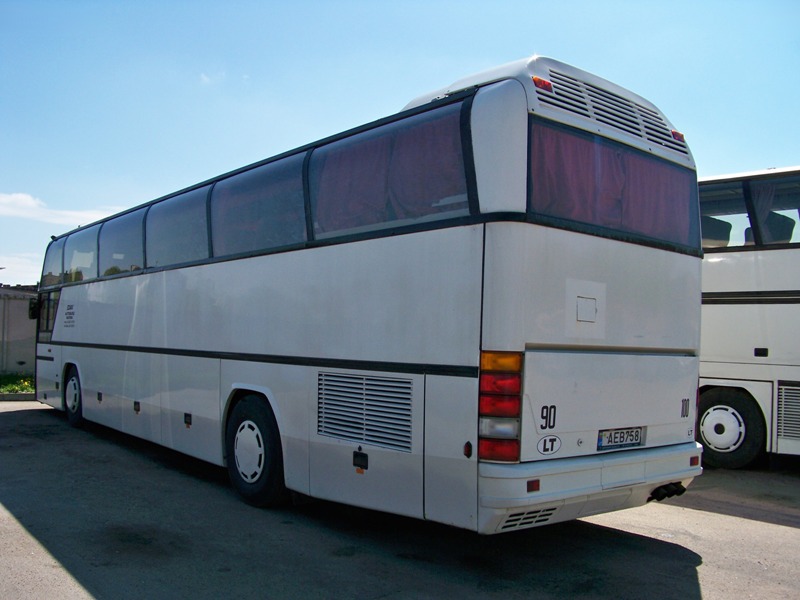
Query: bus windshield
{"type": "Point", "coordinates": [586, 182]}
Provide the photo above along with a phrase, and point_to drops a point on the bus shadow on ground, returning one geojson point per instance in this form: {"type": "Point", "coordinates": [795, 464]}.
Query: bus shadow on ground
{"type": "Point", "coordinates": [576, 559]}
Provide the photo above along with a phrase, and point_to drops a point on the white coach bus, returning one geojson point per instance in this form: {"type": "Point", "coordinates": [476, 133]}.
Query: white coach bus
{"type": "Point", "coordinates": [482, 311]}
{"type": "Point", "coordinates": [750, 356]}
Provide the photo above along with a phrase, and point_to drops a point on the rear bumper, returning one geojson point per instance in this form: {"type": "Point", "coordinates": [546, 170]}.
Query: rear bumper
{"type": "Point", "coordinates": [578, 487]}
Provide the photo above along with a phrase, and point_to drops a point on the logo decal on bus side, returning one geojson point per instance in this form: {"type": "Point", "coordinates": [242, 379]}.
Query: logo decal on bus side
{"type": "Point", "coordinates": [549, 445]}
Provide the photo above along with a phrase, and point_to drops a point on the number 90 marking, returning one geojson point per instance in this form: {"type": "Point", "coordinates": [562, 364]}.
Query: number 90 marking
{"type": "Point", "coordinates": [548, 416]}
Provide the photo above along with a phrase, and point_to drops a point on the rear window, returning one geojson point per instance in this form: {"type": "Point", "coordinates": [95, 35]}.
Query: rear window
{"type": "Point", "coordinates": [580, 180]}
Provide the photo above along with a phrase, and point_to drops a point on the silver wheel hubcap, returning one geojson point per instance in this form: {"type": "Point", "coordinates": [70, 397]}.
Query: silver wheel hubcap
{"type": "Point", "coordinates": [722, 429]}
{"type": "Point", "coordinates": [73, 395]}
{"type": "Point", "coordinates": [249, 451]}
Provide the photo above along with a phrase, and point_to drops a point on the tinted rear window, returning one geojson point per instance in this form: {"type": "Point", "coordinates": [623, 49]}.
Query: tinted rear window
{"type": "Point", "coordinates": [582, 179]}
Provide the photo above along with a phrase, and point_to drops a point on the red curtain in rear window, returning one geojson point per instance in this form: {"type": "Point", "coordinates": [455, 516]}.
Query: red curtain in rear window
{"type": "Point", "coordinates": [583, 178]}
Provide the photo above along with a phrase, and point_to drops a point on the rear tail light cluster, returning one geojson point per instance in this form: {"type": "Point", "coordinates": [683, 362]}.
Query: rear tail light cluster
{"type": "Point", "coordinates": [500, 406]}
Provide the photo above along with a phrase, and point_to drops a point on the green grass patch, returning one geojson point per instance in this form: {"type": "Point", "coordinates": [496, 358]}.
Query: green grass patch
{"type": "Point", "coordinates": [16, 384]}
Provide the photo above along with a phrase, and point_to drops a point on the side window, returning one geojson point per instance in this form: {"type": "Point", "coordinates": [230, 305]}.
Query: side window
{"type": "Point", "coordinates": [53, 270]}
{"type": "Point", "coordinates": [122, 244]}
{"type": "Point", "coordinates": [723, 216]}
{"type": "Point", "coordinates": [349, 182]}
{"type": "Point", "coordinates": [776, 204]}
{"type": "Point", "coordinates": [80, 255]}
{"type": "Point", "coordinates": [426, 172]}
{"type": "Point", "coordinates": [259, 209]}
{"type": "Point", "coordinates": [176, 230]}
{"type": "Point", "coordinates": [48, 305]}
{"type": "Point", "coordinates": [400, 173]}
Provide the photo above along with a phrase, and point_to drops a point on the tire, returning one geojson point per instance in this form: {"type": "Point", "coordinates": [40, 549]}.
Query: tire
{"type": "Point", "coordinates": [73, 398]}
{"type": "Point", "coordinates": [731, 428]}
{"type": "Point", "coordinates": [254, 455]}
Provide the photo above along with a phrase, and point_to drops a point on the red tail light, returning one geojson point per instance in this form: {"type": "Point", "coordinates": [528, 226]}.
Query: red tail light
{"type": "Point", "coordinates": [501, 383]}
{"type": "Point", "coordinates": [500, 406]}
{"type": "Point", "coordinates": [498, 450]}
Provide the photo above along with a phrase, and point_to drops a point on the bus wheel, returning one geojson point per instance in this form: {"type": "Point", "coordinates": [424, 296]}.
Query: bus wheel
{"type": "Point", "coordinates": [254, 456]}
{"type": "Point", "coordinates": [731, 428]}
{"type": "Point", "coordinates": [73, 398]}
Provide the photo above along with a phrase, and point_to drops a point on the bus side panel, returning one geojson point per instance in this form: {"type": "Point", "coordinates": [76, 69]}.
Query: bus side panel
{"type": "Point", "coordinates": [751, 343]}
{"type": "Point", "coordinates": [102, 376]}
{"type": "Point", "coordinates": [48, 375]}
{"type": "Point", "coordinates": [451, 450]}
{"type": "Point", "coordinates": [190, 407]}
{"type": "Point", "coordinates": [411, 299]}
{"type": "Point", "coordinates": [367, 448]}
{"type": "Point", "coordinates": [732, 331]}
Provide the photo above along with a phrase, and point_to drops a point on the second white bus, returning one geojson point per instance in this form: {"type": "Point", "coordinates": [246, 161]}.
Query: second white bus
{"type": "Point", "coordinates": [750, 357]}
{"type": "Point", "coordinates": [482, 311]}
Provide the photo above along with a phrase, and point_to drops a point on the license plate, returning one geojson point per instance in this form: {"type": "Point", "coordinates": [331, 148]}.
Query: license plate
{"type": "Point", "coordinates": [613, 439]}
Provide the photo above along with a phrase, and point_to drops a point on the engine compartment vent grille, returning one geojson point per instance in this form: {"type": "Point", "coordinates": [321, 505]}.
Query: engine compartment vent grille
{"type": "Point", "coordinates": [789, 410]}
{"type": "Point", "coordinates": [372, 410]}
{"type": "Point", "coordinates": [530, 518]}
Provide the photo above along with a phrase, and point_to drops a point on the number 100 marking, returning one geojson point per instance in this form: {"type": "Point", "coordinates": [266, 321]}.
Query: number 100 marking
{"type": "Point", "coordinates": [685, 406]}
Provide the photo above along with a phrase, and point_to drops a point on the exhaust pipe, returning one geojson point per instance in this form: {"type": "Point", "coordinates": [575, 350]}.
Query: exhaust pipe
{"type": "Point", "coordinates": [668, 490]}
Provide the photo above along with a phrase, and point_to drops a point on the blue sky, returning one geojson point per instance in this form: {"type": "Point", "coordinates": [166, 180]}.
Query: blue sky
{"type": "Point", "coordinates": [107, 104]}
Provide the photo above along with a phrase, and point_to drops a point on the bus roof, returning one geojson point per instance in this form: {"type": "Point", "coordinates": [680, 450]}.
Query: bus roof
{"type": "Point", "coordinates": [771, 171]}
{"type": "Point", "coordinates": [569, 95]}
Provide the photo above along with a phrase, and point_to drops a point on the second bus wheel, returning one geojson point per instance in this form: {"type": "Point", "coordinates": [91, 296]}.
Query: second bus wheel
{"type": "Point", "coordinates": [254, 456]}
{"type": "Point", "coordinates": [731, 428]}
{"type": "Point", "coordinates": [73, 398]}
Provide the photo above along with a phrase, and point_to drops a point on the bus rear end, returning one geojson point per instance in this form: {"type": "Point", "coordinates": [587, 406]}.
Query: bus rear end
{"type": "Point", "coordinates": [591, 309]}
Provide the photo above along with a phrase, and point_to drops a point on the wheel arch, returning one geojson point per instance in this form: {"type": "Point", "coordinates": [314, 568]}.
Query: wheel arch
{"type": "Point", "coordinates": [239, 392]}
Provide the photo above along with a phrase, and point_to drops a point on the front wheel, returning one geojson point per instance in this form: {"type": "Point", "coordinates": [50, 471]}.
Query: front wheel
{"type": "Point", "coordinates": [73, 398]}
{"type": "Point", "coordinates": [730, 428]}
{"type": "Point", "coordinates": [254, 456]}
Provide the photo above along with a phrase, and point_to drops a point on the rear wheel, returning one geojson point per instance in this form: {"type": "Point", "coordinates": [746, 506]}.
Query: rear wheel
{"type": "Point", "coordinates": [254, 456]}
{"type": "Point", "coordinates": [73, 398]}
{"type": "Point", "coordinates": [731, 428]}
